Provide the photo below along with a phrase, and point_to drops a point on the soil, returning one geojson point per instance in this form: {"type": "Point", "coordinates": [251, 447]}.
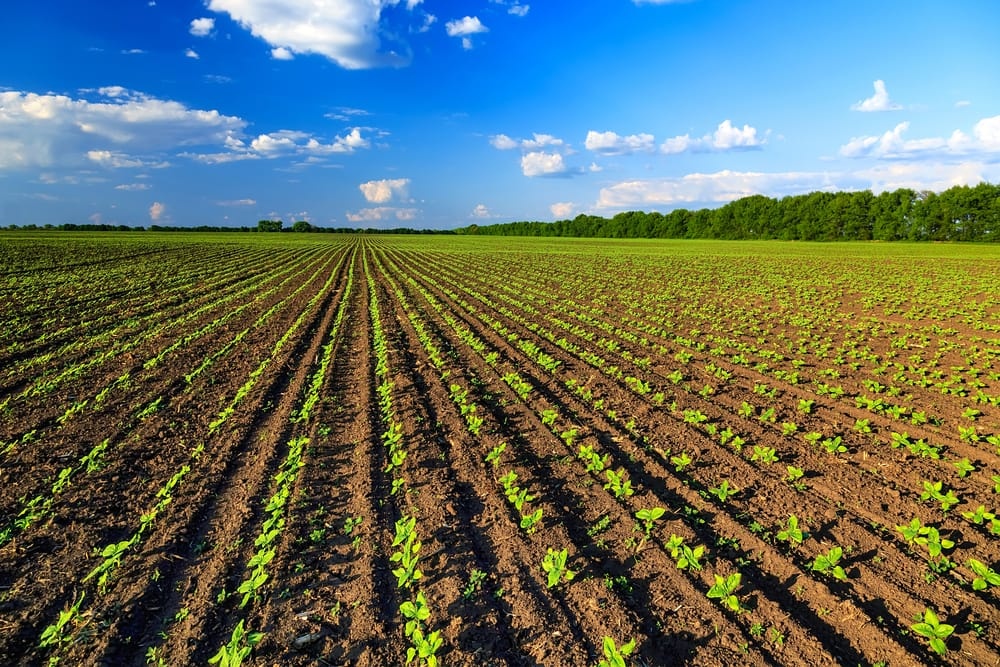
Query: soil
{"type": "Point", "coordinates": [616, 351]}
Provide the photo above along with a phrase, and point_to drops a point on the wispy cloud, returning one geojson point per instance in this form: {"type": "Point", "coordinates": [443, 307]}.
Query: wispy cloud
{"type": "Point", "coordinates": [878, 102]}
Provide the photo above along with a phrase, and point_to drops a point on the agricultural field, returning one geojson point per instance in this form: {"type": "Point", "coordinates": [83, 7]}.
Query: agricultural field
{"type": "Point", "coordinates": [308, 449]}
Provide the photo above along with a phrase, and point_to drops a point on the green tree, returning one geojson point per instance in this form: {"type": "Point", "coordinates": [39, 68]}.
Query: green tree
{"type": "Point", "coordinates": [269, 225]}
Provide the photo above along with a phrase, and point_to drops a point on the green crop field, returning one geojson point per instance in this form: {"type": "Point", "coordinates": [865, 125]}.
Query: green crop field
{"type": "Point", "coordinates": [307, 449]}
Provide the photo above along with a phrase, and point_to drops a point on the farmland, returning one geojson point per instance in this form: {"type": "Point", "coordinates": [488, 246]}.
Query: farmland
{"type": "Point", "coordinates": [316, 449]}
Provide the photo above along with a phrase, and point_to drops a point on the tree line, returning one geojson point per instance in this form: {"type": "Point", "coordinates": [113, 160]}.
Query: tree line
{"type": "Point", "coordinates": [960, 213]}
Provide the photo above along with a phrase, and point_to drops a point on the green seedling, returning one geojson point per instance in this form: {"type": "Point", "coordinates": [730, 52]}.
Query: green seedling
{"type": "Point", "coordinates": [238, 649]}
{"type": "Point", "coordinates": [985, 575]}
{"type": "Point", "coordinates": [554, 565]}
{"type": "Point", "coordinates": [681, 461]}
{"type": "Point", "coordinates": [828, 564]}
{"type": "Point", "coordinates": [723, 491]}
{"type": "Point", "coordinates": [963, 467]}
{"type": "Point", "coordinates": [764, 454]}
{"type": "Point", "coordinates": [724, 590]}
{"type": "Point", "coordinates": [934, 630]}
{"type": "Point", "coordinates": [621, 487]}
{"type": "Point", "coordinates": [614, 656]}
{"type": "Point", "coordinates": [791, 533]}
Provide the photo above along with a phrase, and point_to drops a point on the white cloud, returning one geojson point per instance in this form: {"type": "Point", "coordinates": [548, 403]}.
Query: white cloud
{"type": "Point", "coordinates": [345, 113]}
{"type": "Point", "coordinates": [156, 211]}
{"type": "Point", "coordinates": [115, 160]}
{"type": "Point", "coordinates": [481, 212]}
{"type": "Point", "coordinates": [202, 27]}
{"type": "Point", "coordinates": [380, 192]}
{"type": "Point", "coordinates": [380, 213]}
{"type": "Point", "coordinates": [429, 20]}
{"type": "Point", "coordinates": [133, 186]}
{"type": "Point", "coordinates": [719, 187]}
{"type": "Point", "coordinates": [892, 145]}
{"type": "Point", "coordinates": [725, 138]}
{"type": "Point", "coordinates": [562, 210]}
{"type": "Point", "coordinates": [348, 32]}
{"type": "Point", "coordinates": [540, 163]}
{"type": "Point", "coordinates": [464, 28]}
{"type": "Point", "coordinates": [962, 104]}
{"type": "Point", "coordinates": [191, 53]}
{"type": "Point", "coordinates": [513, 7]}
{"type": "Point", "coordinates": [469, 25]}
{"type": "Point", "coordinates": [610, 143]}
{"type": "Point", "coordinates": [48, 129]}
{"type": "Point", "coordinates": [237, 202]}
{"type": "Point", "coordinates": [878, 102]}
{"type": "Point", "coordinates": [503, 142]}
{"type": "Point", "coordinates": [725, 186]}
{"type": "Point", "coordinates": [281, 53]}
{"type": "Point", "coordinates": [133, 52]}
{"type": "Point", "coordinates": [282, 141]}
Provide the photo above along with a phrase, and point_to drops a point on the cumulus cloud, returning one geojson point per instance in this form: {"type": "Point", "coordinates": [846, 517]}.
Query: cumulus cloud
{"type": "Point", "coordinates": [348, 32]}
{"type": "Point", "coordinates": [540, 163]}
{"type": "Point", "coordinates": [562, 210]}
{"type": "Point", "coordinates": [49, 130]}
{"type": "Point", "coordinates": [726, 137]}
{"type": "Point", "coordinates": [538, 141]}
{"type": "Point", "coordinates": [379, 213]}
{"type": "Point", "coordinates": [892, 145]}
{"type": "Point", "coordinates": [380, 192]}
{"type": "Point", "coordinates": [503, 142]}
{"type": "Point", "coordinates": [464, 27]}
{"type": "Point", "coordinates": [469, 25]}
{"type": "Point", "coordinates": [481, 212]}
{"type": "Point", "coordinates": [202, 27]}
{"type": "Point", "coordinates": [878, 102]}
{"type": "Point", "coordinates": [133, 186]}
{"type": "Point", "coordinates": [281, 53]}
{"type": "Point", "coordinates": [724, 186]}
{"type": "Point", "coordinates": [611, 143]}
{"type": "Point", "coordinates": [156, 211]}
{"type": "Point", "coordinates": [191, 53]}
{"type": "Point", "coordinates": [116, 160]}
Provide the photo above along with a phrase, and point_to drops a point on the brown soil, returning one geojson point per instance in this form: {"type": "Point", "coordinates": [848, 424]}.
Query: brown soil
{"type": "Point", "coordinates": [331, 597]}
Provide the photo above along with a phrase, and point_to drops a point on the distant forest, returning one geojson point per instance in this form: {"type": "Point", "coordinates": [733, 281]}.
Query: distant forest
{"type": "Point", "coordinates": [961, 213]}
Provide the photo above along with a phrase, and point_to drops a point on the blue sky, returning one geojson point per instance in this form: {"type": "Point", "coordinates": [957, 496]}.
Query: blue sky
{"type": "Point", "coordinates": [420, 113]}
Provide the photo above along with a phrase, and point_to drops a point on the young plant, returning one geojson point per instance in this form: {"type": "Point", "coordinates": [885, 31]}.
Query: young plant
{"type": "Point", "coordinates": [828, 564]}
{"type": "Point", "coordinates": [649, 517]}
{"type": "Point", "coordinates": [493, 458]}
{"type": "Point", "coordinates": [554, 565]}
{"type": "Point", "coordinates": [724, 590]}
{"type": "Point", "coordinates": [793, 476]}
{"type": "Point", "coordinates": [764, 454]}
{"type": "Point", "coordinates": [791, 533]}
{"type": "Point", "coordinates": [834, 445]}
{"type": "Point", "coordinates": [934, 630]}
{"type": "Point", "coordinates": [723, 491]}
{"type": "Point", "coordinates": [621, 487]}
{"type": "Point", "coordinates": [238, 648]}
{"type": "Point", "coordinates": [614, 656]}
{"type": "Point", "coordinates": [681, 461]}
{"type": "Point", "coordinates": [985, 575]}
{"type": "Point", "coordinates": [964, 467]}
